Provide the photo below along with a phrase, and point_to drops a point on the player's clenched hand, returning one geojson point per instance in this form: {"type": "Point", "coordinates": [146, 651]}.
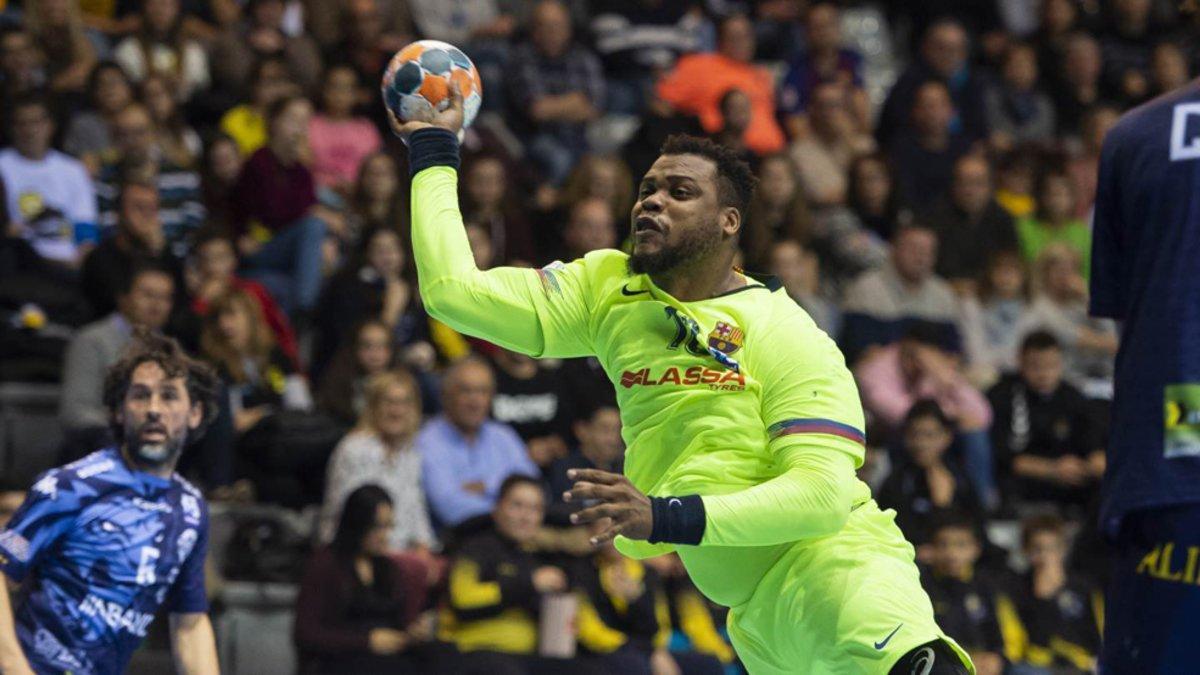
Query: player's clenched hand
{"type": "Point", "coordinates": [628, 509]}
{"type": "Point", "coordinates": [450, 119]}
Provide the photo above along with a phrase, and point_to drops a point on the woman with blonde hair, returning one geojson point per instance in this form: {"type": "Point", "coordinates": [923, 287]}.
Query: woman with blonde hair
{"type": "Point", "coordinates": [1060, 307]}
{"type": "Point", "coordinates": [380, 450]}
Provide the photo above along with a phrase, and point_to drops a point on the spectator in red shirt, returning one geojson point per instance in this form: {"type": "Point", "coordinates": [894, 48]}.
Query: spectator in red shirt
{"type": "Point", "coordinates": [357, 611]}
{"type": "Point", "coordinates": [276, 216]}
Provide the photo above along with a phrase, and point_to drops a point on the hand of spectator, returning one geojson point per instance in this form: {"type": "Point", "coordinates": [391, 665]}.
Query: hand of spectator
{"type": "Point", "coordinates": [420, 356]}
{"type": "Point", "coordinates": [662, 663]}
{"type": "Point", "coordinates": [549, 579]}
{"type": "Point", "coordinates": [1070, 470]}
{"type": "Point", "coordinates": [628, 508]}
{"type": "Point", "coordinates": [248, 246]}
{"type": "Point", "coordinates": [987, 663]}
{"type": "Point", "coordinates": [450, 119]}
{"type": "Point", "coordinates": [475, 487]}
{"type": "Point", "coordinates": [422, 628]}
{"type": "Point", "coordinates": [1134, 84]}
{"type": "Point", "coordinates": [941, 486]}
{"type": "Point", "coordinates": [1097, 461]}
{"type": "Point", "coordinates": [385, 641]}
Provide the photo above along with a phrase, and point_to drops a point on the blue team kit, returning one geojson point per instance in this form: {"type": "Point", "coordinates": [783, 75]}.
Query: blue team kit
{"type": "Point", "coordinates": [104, 548]}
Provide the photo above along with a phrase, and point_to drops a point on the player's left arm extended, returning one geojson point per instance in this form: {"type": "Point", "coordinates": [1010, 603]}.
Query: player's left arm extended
{"type": "Point", "coordinates": [536, 312]}
{"type": "Point", "coordinates": [194, 645]}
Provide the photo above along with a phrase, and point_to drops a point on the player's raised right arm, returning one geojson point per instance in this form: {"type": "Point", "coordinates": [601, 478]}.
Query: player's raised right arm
{"type": "Point", "coordinates": [537, 312]}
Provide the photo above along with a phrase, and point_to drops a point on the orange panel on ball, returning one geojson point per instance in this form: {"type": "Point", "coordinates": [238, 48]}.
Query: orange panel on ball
{"type": "Point", "coordinates": [434, 88]}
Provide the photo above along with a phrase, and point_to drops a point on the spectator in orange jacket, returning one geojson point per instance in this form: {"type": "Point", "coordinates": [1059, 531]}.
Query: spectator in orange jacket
{"type": "Point", "coordinates": [698, 82]}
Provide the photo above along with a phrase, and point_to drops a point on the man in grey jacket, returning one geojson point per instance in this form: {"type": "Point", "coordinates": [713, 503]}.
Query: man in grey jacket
{"type": "Point", "coordinates": [145, 302]}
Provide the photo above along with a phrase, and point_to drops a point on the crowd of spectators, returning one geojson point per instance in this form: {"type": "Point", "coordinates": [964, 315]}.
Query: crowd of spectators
{"type": "Point", "coordinates": [222, 171]}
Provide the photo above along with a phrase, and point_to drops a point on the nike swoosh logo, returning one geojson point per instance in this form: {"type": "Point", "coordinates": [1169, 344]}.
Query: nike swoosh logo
{"type": "Point", "coordinates": [625, 291]}
{"type": "Point", "coordinates": [881, 645]}
{"type": "Point", "coordinates": [674, 502]}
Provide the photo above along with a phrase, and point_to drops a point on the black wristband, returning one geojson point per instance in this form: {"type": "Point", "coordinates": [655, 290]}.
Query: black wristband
{"type": "Point", "coordinates": [677, 520]}
{"type": "Point", "coordinates": [432, 146]}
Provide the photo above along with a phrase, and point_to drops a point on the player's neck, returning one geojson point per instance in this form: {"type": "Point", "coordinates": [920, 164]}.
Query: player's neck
{"type": "Point", "coordinates": [701, 281]}
{"type": "Point", "coordinates": [161, 471]}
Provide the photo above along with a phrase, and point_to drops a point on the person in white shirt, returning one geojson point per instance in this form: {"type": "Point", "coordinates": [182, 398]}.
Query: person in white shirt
{"type": "Point", "coordinates": [49, 194]}
{"type": "Point", "coordinates": [380, 450]}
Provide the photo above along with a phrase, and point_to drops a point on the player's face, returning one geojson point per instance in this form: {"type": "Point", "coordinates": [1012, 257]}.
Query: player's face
{"type": "Point", "coordinates": [677, 215]}
{"type": "Point", "coordinates": [954, 551]}
{"type": "Point", "coordinates": [519, 514]}
{"type": "Point", "coordinates": [156, 415]}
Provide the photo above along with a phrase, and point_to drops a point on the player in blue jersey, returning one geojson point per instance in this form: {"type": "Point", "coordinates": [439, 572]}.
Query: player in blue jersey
{"type": "Point", "coordinates": [102, 544]}
{"type": "Point", "coordinates": [1146, 274]}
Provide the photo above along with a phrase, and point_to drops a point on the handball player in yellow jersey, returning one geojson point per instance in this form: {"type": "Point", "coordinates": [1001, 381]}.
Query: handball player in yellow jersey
{"type": "Point", "coordinates": [743, 425]}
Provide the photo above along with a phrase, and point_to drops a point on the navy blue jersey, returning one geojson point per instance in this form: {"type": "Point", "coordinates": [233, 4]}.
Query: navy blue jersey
{"type": "Point", "coordinates": [1146, 273]}
{"type": "Point", "coordinates": [104, 547]}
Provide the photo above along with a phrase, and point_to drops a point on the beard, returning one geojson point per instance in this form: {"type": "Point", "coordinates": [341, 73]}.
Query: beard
{"type": "Point", "coordinates": [693, 243]}
{"type": "Point", "coordinates": [157, 453]}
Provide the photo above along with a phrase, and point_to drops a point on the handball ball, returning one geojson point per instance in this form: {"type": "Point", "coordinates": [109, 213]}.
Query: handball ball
{"type": "Point", "coordinates": [417, 82]}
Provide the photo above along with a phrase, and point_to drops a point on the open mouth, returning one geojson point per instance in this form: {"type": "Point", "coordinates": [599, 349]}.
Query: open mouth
{"type": "Point", "coordinates": [644, 225]}
{"type": "Point", "coordinates": [154, 433]}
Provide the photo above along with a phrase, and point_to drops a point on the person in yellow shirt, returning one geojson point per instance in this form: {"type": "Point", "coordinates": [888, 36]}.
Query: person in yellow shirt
{"type": "Point", "coordinates": [246, 123]}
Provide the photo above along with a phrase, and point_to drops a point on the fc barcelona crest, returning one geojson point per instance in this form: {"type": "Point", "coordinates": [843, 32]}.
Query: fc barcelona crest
{"type": "Point", "coordinates": [726, 338]}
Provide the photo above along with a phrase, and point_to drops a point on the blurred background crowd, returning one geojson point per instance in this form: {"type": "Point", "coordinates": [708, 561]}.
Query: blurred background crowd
{"type": "Point", "coordinates": [221, 170]}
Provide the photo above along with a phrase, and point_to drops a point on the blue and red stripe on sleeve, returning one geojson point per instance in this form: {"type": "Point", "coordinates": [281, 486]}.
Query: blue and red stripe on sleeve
{"type": "Point", "coordinates": [816, 426]}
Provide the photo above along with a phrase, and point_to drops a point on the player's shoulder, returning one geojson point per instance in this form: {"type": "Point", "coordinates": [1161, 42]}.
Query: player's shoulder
{"type": "Point", "coordinates": [104, 464]}
{"type": "Point", "coordinates": [1152, 118]}
{"type": "Point", "coordinates": [82, 481]}
{"type": "Point", "coordinates": [600, 272]}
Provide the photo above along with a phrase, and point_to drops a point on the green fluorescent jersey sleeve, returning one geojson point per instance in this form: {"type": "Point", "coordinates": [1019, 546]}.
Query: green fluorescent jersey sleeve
{"type": "Point", "coordinates": [537, 312]}
{"type": "Point", "coordinates": [814, 419]}
{"type": "Point", "coordinates": [812, 498]}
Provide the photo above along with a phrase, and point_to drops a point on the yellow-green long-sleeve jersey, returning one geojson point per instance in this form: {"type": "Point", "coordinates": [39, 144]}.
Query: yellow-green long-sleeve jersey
{"type": "Point", "coordinates": [740, 399]}
{"type": "Point", "coordinates": [772, 447]}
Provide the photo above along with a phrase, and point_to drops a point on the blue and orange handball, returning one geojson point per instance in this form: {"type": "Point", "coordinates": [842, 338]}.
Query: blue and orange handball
{"type": "Point", "coordinates": [417, 81]}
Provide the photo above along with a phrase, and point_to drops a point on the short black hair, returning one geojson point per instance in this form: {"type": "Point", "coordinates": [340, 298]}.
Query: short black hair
{"type": "Point", "coordinates": [735, 180]}
{"type": "Point", "coordinates": [139, 268]}
{"type": "Point", "coordinates": [931, 333]}
{"type": "Point", "coordinates": [150, 347]}
{"type": "Point", "coordinates": [952, 519]}
{"type": "Point", "coordinates": [1046, 522]}
{"type": "Point", "coordinates": [1040, 341]}
{"type": "Point", "coordinates": [516, 480]}
{"type": "Point", "coordinates": [928, 408]}
{"type": "Point", "coordinates": [29, 99]}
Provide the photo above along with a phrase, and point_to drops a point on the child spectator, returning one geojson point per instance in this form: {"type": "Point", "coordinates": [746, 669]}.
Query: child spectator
{"type": "Point", "coordinates": [1003, 301]}
{"type": "Point", "coordinates": [213, 273]}
{"type": "Point", "coordinates": [600, 447]}
{"type": "Point", "coordinates": [1055, 220]}
{"type": "Point", "coordinates": [340, 140]}
{"type": "Point", "coordinates": [925, 482]}
{"type": "Point", "coordinates": [179, 142]}
{"type": "Point", "coordinates": [377, 202]}
{"type": "Point", "coordinates": [222, 162]}
{"type": "Point", "coordinates": [279, 224]}
{"type": "Point", "coordinates": [1049, 619]}
{"type": "Point", "coordinates": [342, 390]}
{"type": "Point", "coordinates": [1044, 434]}
{"type": "Point", "coordinates": [963, 604]}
